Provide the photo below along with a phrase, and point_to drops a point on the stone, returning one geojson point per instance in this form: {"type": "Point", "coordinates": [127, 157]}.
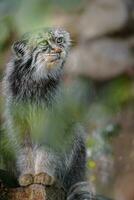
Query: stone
{"type": "Point", "coordinates": [102, 17]}
{"type": "Point", "coordinates": [130, 6]}
{"type": "Point", "coordinates": [101, 59]}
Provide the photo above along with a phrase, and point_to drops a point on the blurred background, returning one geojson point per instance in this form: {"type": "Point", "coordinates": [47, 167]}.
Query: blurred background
{"type": "Point", "coordinates": [102, 59]}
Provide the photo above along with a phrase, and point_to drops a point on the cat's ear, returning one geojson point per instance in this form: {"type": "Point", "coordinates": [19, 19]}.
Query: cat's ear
{"type": "Point", "coordinates": [19, 48]}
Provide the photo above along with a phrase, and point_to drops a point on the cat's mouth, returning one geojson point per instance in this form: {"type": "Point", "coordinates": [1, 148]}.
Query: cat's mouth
{"type": "Point", "coordinates": [52, 58]}
{"type": "Point", "coordinates": [49, 57]}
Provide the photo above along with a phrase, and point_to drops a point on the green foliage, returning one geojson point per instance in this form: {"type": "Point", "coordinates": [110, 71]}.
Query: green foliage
{"type": "Point", "coordinates": [7, 153]}
{"type": "Point", "coordinates": [4, 33]}
{"type": "Point", "coordinates": [33, 14]}
{"type": "Point", "coordinates": [116, 93]}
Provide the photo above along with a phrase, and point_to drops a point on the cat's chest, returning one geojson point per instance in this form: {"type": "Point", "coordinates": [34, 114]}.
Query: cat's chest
{"type": "Point", "coordinates": [30, 120]}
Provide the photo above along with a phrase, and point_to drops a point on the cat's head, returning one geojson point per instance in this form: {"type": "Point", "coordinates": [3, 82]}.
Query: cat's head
{"type": "Point", "coordinates": [47, 49]}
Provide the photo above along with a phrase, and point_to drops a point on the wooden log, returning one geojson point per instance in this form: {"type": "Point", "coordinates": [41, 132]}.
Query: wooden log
{"type": "Point", "coordinates": [33, 192]}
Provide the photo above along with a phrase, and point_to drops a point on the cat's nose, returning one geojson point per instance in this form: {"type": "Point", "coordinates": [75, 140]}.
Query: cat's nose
{"type": "Point", "coordinates": [56, 50]}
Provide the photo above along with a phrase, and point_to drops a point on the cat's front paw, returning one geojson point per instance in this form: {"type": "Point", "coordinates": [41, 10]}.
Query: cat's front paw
{"type": "Point", "coordinates": [43, 178]}
{"type": "Point", "coordinates": [26, 179]}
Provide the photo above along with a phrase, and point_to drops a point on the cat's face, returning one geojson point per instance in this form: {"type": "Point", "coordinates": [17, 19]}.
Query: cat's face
{"type": "Point", "coordinates": [48, 48]}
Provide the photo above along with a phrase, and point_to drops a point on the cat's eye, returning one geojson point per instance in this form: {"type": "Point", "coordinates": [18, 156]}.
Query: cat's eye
{"type": "Point", "coordinates": [44, 44]}
{"type": "Point", "coordinates": [60, 40]}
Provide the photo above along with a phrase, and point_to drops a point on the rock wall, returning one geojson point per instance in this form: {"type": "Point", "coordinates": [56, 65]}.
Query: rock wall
{"type": "Point", "coordinates": [105, 40]}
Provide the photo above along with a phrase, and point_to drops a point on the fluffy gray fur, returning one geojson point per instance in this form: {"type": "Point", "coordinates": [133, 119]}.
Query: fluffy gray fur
{"type": "Point", "coordinates": [32, 78]}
